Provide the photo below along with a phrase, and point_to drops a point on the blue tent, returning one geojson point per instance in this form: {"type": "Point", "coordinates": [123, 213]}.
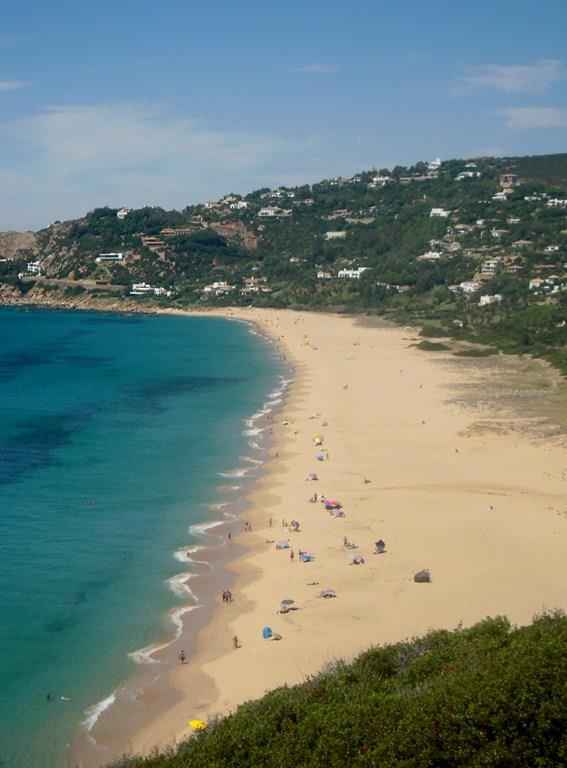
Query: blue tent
{"type": "Point", "coordinates": [267, 633]}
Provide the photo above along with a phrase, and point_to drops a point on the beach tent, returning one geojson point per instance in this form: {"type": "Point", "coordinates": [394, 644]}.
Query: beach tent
{"type": "Point", "coordinates": [332, 504]}
{"type": "Point", "coordinates": [287, 605]}
{"type": "Point", "coordinates": [283, 544]}
{"type": "Point", "coordinates": [422, 577]}
{"type": "Point", "coordinates": [294, 525]}
{"type": "Point", "coordinates": [326, 593]}
{"type": "Point", "coordinates": [321, 456]}
{"type": "Point", "coordinates": [197, 725]}
{"type": "Point", "coordinates": [267, 633]}
{"type": "Point", "coordinates": [317, 439]}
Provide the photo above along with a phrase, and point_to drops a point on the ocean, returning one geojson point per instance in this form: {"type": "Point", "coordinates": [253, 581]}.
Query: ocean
{"type": "Point", "coordinates": [119, 435]}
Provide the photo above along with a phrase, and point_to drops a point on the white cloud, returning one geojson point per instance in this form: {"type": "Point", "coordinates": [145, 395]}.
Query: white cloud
{"type": "Point", "coordinates": [66, 160]}
{"type": "Point", "coordinates": [526, 118]}
{"type": "Point", "coordinates": [318, 69]}
{"type": "Point", "coordinates": [12, 85]}
{"type": "Point", "coordinates": [535, 77]}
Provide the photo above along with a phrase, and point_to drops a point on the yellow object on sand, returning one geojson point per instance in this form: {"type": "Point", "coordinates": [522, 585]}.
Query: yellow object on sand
{"type": "Point", "coordinates": [197, 725]}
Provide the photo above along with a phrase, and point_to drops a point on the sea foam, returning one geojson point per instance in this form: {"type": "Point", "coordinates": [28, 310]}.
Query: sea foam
{"type": "Point", "coordinates": [93, 713]}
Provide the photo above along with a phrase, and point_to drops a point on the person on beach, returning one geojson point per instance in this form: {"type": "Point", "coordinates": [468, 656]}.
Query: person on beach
{"type": "Point", "coordinates": [291, 554]}
{"type": "Point", "coordinates": [229, 536]}
{"type": "Point", "coordinates": [271, 522]}
{"type": "Point", "coordinates": [235, 642]}
{"type": "Point", "coordinates": [182, 657]}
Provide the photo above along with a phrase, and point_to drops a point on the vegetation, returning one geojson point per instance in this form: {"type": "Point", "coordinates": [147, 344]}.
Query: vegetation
{"type": "Point", "coordinates": [454, 246]}
{"type": "Point", "coordinates": [432, 346]}
{"type": "Point", "coordinates": [489, 696]}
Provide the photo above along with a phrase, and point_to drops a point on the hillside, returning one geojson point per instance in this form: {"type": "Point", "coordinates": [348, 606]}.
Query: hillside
{"type": "Point", "coordinates": [489, 696]}
{"type": "Point", "coordinates": [549, 169]}
{"type": "Point", "coordinates": [475, 248]}
{"type": "Point", "coordinates": [14, 245]}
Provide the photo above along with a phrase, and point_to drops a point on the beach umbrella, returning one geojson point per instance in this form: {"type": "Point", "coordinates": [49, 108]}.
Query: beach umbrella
{"type": "Point", "coordinates": [287, 601]}
{"type": "Point", "coordinates": [197, 725]}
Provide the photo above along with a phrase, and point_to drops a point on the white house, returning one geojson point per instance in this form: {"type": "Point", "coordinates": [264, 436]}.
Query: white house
{"type": "Point", "coordinates": [351, 274]}
{"type": "Point", "coordinates": [322, 275]}
{"type": "Point", "coordinates": [145, 289]}
{"type": "Point", "coordinates": [270, 212]}
{"type": "Point", "coordinates": [487, 299]}
{"type": "Point", "coordinates": [241, 205]}
{"type": "Point", "coordinates": [467, 175]}
{"type": "Point", "coordinates": [469, 286]}
{"type": "Point", "coordinates": [335, 235]}
{"type": "Point", "coordinates": [218, 288]}
{"type": "Point", "coordinates": [556, 202]}
{"type": "Point", "coordinates": [430, 256]}
{"type": "Point", "coordinates": [439, 213]}
{"type": "Point", "coordinates": [34, 268]}
{"type": "Point", "coordinates": [379, 181]}
{"type": "Point", "coordinates": [141, 289]}
{"type": "Point", "coordinates": [111, 256]}
{"type": "Point", "coordinates": [122, 213]}
{"type": "Point", "coordinates": [551, 249]}
{"type": "Point", "coordinates": [500, 196]}
{"type": "Point", "coordinates": [162, 292]}
{"type": "Point", "coordinates": [434, 165]}
{"type": "Point", "coordinates": [490, 266]}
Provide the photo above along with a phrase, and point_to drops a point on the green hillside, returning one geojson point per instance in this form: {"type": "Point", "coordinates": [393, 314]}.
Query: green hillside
{"type": "Point", "coordinates": [549, 169]}
{"type": "Point", "coordinates": [476, 248]}
{"type": "Point", "coordinates": [490, 696]}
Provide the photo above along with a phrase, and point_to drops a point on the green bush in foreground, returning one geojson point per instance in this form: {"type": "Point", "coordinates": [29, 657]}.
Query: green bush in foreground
{"type": "Point", "coordinates": [486, 696]}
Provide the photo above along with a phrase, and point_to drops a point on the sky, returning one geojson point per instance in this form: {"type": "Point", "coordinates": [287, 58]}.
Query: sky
{"type": "Point", "coordinates": [176, 102]}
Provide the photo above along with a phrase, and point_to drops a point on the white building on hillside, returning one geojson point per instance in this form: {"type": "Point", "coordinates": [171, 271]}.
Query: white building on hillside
{"type": "Point", "coordinates": [335, 235]}
{"type": "Point", "coordinates": [110, 256]}
{"type": "Point", "coordinates": [487, 299]}
{"type": "Point", "coordinates": [439, 213]}
{"type": "Point", "coordinates": [430, 256]}
{"type": "Point", "coordinates": [351, 274]}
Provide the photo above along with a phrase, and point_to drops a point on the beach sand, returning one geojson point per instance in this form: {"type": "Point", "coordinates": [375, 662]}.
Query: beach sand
{"type": "Point", "coordinates": [466, 470]}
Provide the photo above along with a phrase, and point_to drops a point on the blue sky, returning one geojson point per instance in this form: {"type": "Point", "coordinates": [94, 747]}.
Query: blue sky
{"type": "Point", "coordinates": [128, 103]}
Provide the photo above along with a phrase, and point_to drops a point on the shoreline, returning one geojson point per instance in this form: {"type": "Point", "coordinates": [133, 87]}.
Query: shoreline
{"type": "Point", "coordinates": [107, 726]}
{"type": "Point", "coordinates": [442, 496]}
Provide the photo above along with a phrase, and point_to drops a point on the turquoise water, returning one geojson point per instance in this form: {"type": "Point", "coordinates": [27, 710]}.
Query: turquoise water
{"type": "Point", "coordinates": [113, 433]}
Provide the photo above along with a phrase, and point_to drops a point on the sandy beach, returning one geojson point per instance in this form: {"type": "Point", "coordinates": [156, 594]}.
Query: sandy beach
{"type": "Point", "coordinates": [457, 464]}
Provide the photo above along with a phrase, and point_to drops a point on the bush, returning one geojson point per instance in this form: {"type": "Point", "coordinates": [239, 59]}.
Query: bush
{"type": "Point", "coordinates": [432, 346]}
{"type": "Point", "coordinates": [490, 696]}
